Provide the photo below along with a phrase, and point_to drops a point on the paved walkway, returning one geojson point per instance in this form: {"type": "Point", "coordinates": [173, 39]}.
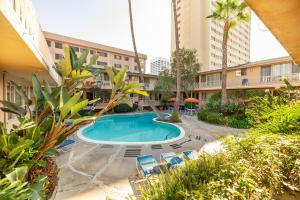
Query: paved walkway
{"type": "Point", "coordinates": [95, 171]}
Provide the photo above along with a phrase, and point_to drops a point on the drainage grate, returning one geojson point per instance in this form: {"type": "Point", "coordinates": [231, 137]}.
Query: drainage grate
{"type": "Point", "coordinates": [156, 146]}
{"type": "Point", "coordinates": [132, 151]}
{"type": "Point", "coordinates": [107, 146]}
{"type": "Point", "coordinates": [175, 146]}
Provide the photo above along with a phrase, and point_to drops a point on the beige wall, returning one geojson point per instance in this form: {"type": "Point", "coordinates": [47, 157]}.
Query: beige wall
{"type": "Point", "coordinates": [110, 51]}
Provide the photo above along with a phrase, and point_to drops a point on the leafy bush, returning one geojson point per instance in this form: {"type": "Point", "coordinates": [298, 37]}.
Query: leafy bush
{"type": "Point", "coordinates": [279, 119]}
{"type": "Point", "coordinates": [175, 117]}
{"type": "Point", "coordinates": [238, 123]}
{"type": "Point", "coordinates": [255, 166]}
{"type": "Point", "coordinates": [124, 108]}
{"type": "Point", "coordinates": [216, 118]}
{"type": "Point", "coordinates": [235, 109]}
{"type": "Point", "coordinates": [214, 103]}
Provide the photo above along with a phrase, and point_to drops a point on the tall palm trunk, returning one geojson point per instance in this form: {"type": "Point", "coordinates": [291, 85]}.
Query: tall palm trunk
{"type": "Point", "coordinates": [224, 65]}
{"type": "Point", "coordinates": [142, 80]}
{"type": "Point", "coordinates": [178, 80]}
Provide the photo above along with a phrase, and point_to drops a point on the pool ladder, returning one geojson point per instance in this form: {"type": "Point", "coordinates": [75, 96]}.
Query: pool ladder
{"type": "Point", "coordinates": [168, 136]}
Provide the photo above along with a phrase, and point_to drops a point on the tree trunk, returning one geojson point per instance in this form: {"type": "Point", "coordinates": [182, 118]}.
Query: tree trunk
{"type": "Point", "coordinates": [224, 66]}
{"type": "Point", "coordinates": [142, 80]}
{"type": "Point", "coordinates": [178, 80]}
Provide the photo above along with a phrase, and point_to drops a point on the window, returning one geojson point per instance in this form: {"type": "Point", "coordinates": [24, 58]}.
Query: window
{"type": "Point", "coordinates": [58, 45]}
{"type": "Point", "coordinates": [82, 49]}
{"type": "Point", "coordinates": [295, 69]}
{"type": "Point", "coordinates": [105, 77]}
{"type": "Point", "coordinates": [10, 95]}
{"type": "Point", "coordinates": [281, 69]}
{"type": "Point", "coordinates": [118, 65]}
{"type": "Point", "coordinates": [102, 54]}
{"type": "Point", "coordinates": [58, 56]}
{"type": "Point", "coordinates": [213, 80]}
{"type": "Point", "coordinates": [118, 57]}
{"type": "Point", "coordinates": [203, 95]}
{"type": "Point", "coordinates": [244, 82]}
{"type": "Point", "coordinates": [75, 49]}
{"type": "Point", "coordinates": [266, 73]}
{"type": "Point", "coordinates": [101, 63]}
{"type": "Point", "coordinates": [48, 43]}
{"type": "Point", "coordinates": [244, 72]}
{"type": "Point", "coordinates": [135, 68]}
{"type": "Point", "coordinates": [92, 52]}
{"type": "Point", "coordinates": [126, 58]}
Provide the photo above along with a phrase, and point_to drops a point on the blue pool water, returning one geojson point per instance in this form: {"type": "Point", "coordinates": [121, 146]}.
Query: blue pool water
{"type": "Point", "coordinates": [130, 128]}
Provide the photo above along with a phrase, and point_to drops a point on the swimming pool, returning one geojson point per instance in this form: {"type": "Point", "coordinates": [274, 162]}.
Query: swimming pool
{"type": "Point", "coordinates": [138, 128]}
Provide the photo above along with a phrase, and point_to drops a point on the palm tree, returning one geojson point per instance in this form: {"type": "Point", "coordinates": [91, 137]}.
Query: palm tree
{"type": "Point", "coordinates": [177, 56]}
{"type": "Point", "coordinates": [231, 13]}
{"type": "Point", "coordinates": [142, 80]}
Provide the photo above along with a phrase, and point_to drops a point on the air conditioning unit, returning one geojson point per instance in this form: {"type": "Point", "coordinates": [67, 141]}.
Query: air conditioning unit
{"type": "Point", "coordinates": [238, 72]}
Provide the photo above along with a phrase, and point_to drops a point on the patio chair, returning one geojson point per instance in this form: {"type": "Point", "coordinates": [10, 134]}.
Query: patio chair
{"type": "Point", "coordinates": [171, 159]}
{"type": "Point", "coordinates": [190, 154]}
{"type": "Point", "coordinates": [66, 145]}
{"type": "Point", "coordinates": [147, 165]}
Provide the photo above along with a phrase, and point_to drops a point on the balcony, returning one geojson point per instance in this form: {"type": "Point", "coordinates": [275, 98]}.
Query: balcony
{"type": "Point", "coordinates": [262, 82]}
{"type": "Point", "coordinates": [23, 46]}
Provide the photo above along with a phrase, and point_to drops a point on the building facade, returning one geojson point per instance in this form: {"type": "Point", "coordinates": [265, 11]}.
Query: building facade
{"type": "Point", "coordinates": [206, 35]}
{"type": "Point", "coordinates": [260, 75]}
{"type": "Point", "coordinates": [158, 65]}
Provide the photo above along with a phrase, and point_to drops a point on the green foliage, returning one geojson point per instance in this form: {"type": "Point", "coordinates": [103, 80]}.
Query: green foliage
{"type": "Point", "coordinates": [175, 117]}
{"type": "Point", "coordinates": [279, 119]}
{"type": "Point", "coordinates": [255, 166]}
{"type": "Point", "coordinates": [214, 103]}
{"type": "Point", "coordinates": [125, 108]}
{"type": "Point", "coordinates": [217, 118]}
{"type": "Point", "coordinates": [165, 84]}
{"type": "Point", "coordinates": [189, 68]}
{"type": "Point", "coordinates": [56, 115]}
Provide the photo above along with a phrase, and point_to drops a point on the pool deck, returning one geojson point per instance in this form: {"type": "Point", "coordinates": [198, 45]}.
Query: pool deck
{"type": "Point", "coordinates": [98, 171]}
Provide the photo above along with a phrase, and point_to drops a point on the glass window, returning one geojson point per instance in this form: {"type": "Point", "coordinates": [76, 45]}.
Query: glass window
{"type": "Point", "coordinates": [101, 63]}
{"type": "Point", "coordinates": [75, 49]}
{"type": "Point", "coordinates": [92, 52]}
{"type": "Point", "coordinates": [58, 56]}
{"type": "Point", "coordinates": [103, 54]}
{"type": "Point", "coordinates": [58, 45]}
{"type": "Point", "coordinates": [244, 72]}
{"type": "Point", "coordinates": [118, 65]}
{"type": "Point", "coordinates": [213, 79]}
{"type": "Point", "coordinates": [105, 77]}
{"type": "Point", "coordinates": [126, 58]}
{"type": "Point", "coordinates": [295, 69]}
{"type": "Point", "coordinates": [281, 69]}
{"type": "Point", "coordinates": [118, 57]}
{"type": "Point", "coordinates": [266, 73]}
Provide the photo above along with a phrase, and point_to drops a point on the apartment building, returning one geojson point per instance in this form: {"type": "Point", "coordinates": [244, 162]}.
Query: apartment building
{"type": "Point", "coordinates": [260, 75]}
{"type": "Point", "coordinates": [206, 35]}
{"type": "Point", "coordinates": [23, 52]}
{"type": "Point", "coordinates": [100, 87]}
{"type": "Point", "coordinates": [158, 65]}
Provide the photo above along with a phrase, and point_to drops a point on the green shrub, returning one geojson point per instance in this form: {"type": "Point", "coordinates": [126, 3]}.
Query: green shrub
{"type": "Point", "coordinates": [255, 166]}
{"type": "Point", "coordinates": [216, 118]}
{"type": "Point", "coordinates": [236, 109]}
{"type": "Point", "coordinates": [124, 108]}
{"type": "Point", "coordinates": [238, 123]}
{"type": "Point", "coordinates": [214, 103]}
{"type": "Point", "coordinates": [175, 117]}
{"type": "Point", "coordinates": [281, 119]}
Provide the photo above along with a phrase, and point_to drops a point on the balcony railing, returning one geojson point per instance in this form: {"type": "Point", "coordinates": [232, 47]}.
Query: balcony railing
{"type": "Point", "coordinates": [278, 79]}
{"type": "Point", "coordinates": [23, 12]}
{"type": "Point", "coordinates": [247, 82]}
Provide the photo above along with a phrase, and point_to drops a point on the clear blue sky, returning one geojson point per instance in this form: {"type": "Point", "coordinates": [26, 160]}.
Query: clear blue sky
{"type": "Point", "coordinates": [107, 22]}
